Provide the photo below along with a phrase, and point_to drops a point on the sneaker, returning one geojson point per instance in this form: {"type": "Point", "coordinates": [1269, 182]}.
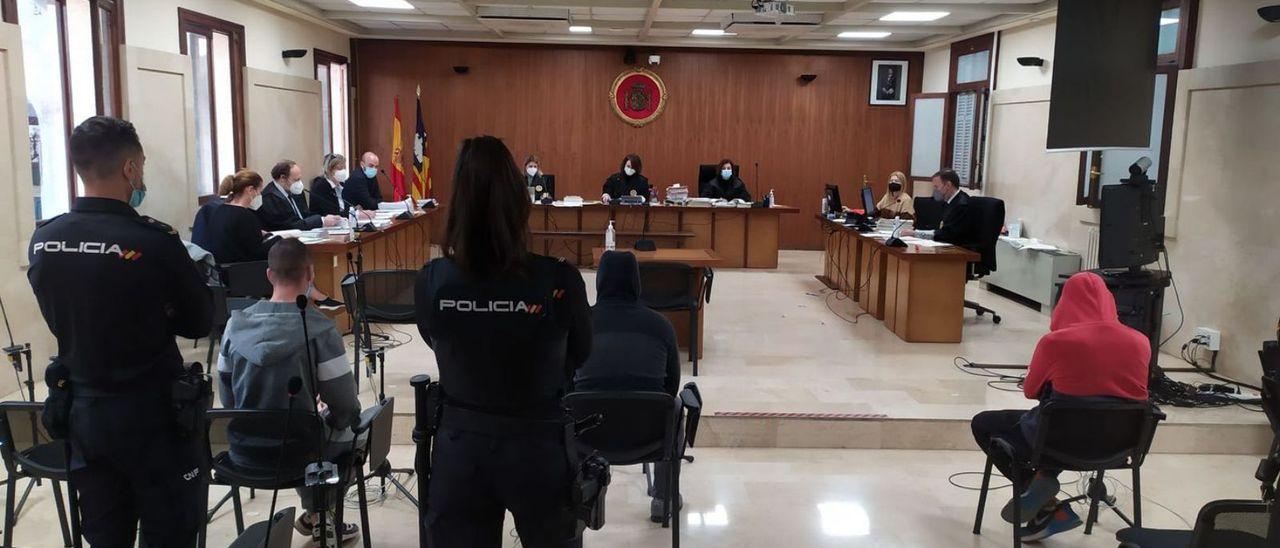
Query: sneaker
{"type": "Point", "coordinates": [1061, 518]}
{"type": "Point", "coordinates": [1039, 494]}
{"type": "Point", "coordinates": [349, 531]}
{"type": "Point", "coordinates": [304, 525]}
{"type": "Point", "coordinates": [329, 304]}
{"type": "Point", "coordinates": [655, 509]}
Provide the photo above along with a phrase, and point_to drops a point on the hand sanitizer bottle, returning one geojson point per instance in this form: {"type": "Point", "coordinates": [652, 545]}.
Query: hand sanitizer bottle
{"type": "Point", "coordinates": [609, 238]}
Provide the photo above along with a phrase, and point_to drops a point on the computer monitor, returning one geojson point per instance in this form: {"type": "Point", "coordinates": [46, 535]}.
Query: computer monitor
{"type": "Point", "coordinates": [833, 198]}
{"type": "Point", "coordinates": [868, 202]}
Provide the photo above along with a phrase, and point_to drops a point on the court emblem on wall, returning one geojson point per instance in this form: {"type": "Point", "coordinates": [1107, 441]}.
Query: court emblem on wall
{"type": "Point", "coordinates": [638, 96]}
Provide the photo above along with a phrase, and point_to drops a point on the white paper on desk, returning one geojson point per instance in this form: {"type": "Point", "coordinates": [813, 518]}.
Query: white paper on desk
{"type": "Point", "coordinates": [287, 233]}
{"type": "Point", "coordinates": [393, 206]}
{"type": "Point", "coordinates": [1023, 244]}
{"type": "Point", "coordinates": [561, 203]}
{"type": "Point", "coordinates": [308, 240]}
{"type": "Point", "coordinates": [923, 242]}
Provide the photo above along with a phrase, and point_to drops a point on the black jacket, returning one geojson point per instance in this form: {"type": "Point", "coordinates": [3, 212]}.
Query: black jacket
{"type": "Point", "coordinates": [362, 191]}
{"type": "Point", "coordinates": [733, 189]}
{"type": "Point", "coordinates": [324, 201]}
{"type": "Point", "coordinates": [619, 185]}
{"type": "Point", "coordinates": [506, 347]}
{"type": "Point", "coordinates": [236, 235]}
{"type": "Point", "coordinates": [632, 347]}
{"type": "Point", "coordinates": [200, 226]}
{"type": "Point", "coordinates": [115, 288]}
{"type": "Point", "coordinates": [276, 212]}
{"type": "Point", "coordinates": [959, 226]}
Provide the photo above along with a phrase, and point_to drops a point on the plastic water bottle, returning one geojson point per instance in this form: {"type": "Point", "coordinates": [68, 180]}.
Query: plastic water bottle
{"type": "Point", "coordinates": [770, 198]}
{"type": "Point", "coordinates": [824, 206]}
{"type": "Point", "coordinates": [609, 238]}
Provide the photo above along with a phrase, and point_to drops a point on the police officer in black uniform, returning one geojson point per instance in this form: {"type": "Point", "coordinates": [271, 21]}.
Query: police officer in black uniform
{"type": "Point", "coordinates": [115, 288]}
{"type": "Point", "coordinates": [508, 328]}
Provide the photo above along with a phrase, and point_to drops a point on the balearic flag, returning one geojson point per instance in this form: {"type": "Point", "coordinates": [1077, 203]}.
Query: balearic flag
{"type": "Point", "coordinates": [397, 172]}
{"type": "Point", "coordinates": [421, 162]}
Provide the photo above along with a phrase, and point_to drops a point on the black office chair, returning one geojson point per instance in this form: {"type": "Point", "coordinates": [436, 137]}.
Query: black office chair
{"type": "Point", "coordinates": [640, 428]}
{"type": "Point", "coordinates": [669, 287]}
{"type": "Point", "coordinates": [381, 296]}
{"type": "Point", "coordinates": [246, 280]}
{"type": "Point", "coordinates": [990, 215]}
{"type": "Point", "coordinates": [30, 452]}
{"type": "Point", "coordinates": [1084, 437]}
{"type": "Point", "coordinates": [1234, 523]}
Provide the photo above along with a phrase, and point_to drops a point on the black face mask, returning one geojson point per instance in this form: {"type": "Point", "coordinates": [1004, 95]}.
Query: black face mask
{"type": "Point", "coordinates": [895, 187]}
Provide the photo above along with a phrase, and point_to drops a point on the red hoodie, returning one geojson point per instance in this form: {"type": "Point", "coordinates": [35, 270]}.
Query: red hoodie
{"type": "Point", "coordinates": [1088, 352]}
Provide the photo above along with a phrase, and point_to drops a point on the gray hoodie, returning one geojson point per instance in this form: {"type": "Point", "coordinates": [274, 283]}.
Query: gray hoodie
{"type": "Point", "coordinates": [262, 349]}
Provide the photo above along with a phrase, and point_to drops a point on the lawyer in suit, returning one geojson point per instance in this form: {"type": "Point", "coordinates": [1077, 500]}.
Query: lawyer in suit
{"type": "Point", "coordinates": [283, 205]}
{"type": "Point", "coordinates": [362, 187]}
{"type": "Point", "coordinates": [959, 224]}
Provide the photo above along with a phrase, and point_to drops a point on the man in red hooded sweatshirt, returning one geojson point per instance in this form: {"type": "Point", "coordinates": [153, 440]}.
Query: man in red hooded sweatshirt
{"type": "Point", "coordinates": [1087, 355]}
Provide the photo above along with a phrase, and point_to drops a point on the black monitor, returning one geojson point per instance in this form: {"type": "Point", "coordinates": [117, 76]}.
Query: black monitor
{"type": "Point", "coordinates": [833, 199]}
{"type": "Point", "coordinates": [868, 202]}
{"type": "Point", "coordinates": [548, 188]}
{"type": "Point", "coordinates": [1132, 228]}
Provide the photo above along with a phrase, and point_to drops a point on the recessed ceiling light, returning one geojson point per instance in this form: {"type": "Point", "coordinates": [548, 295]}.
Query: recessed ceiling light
{"type": "Point", "coordinates": [709, 32]}
{"type": "Point", "coordinates": [915, 16]}
{"type": "Point", "coordinates": [1168, 21]}
{"type": "Point", "coordinates": [580, 29]}
{"type": "Point", "coordinates": [863, 34]}
{"type": "Point", "coordinates": [386, 4]}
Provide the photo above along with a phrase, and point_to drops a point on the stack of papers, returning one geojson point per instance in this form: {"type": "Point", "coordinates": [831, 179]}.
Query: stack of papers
{"type": "Point", "coordinates": [287, 233]}
{"type": "Point", "coordinates": [1023, 244]}
{"type": "Point", "coordinates": [393, 206]}
{"type": "Point", "coordinates": [923, 242]}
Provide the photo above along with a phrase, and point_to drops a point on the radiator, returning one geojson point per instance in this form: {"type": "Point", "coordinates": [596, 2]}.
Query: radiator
{"type": "Point", "coordinates": [1091, 254]}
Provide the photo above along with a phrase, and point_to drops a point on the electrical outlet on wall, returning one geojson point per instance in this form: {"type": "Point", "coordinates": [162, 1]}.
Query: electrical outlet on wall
{"type": "Point", "coordinates": [1212, 338]}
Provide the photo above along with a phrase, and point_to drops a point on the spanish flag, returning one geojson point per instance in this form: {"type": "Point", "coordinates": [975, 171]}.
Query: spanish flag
{"type": "Point", "coordinates": [397, 172]}
{"type": "Point", "coordinates": [421, 162]}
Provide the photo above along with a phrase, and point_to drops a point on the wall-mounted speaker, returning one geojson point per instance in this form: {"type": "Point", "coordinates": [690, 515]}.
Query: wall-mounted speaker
{"type": "Point", "coordinates": [1031, 61]}
{"type": "Point", "coordinates": [1270, 13]}
{"type": "Point", "coordinates": [806, 78]}
{"type": "Point", "coordinates": [293, 53]}
{"type": "Point", "coordinates": [461, 69]}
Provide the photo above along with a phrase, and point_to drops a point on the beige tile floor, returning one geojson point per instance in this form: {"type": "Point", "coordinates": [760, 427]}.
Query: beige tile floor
{"type": "Point", "coordinates": [770, 498]}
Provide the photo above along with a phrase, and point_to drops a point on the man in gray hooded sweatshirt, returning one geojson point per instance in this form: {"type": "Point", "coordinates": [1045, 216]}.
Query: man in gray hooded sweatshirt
{"type": "Point", "coordinates": [262, 349]}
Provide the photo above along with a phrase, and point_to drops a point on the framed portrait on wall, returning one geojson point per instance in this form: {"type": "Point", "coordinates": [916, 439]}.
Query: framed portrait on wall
{"type": "Point", "coordinates": [889, 82]}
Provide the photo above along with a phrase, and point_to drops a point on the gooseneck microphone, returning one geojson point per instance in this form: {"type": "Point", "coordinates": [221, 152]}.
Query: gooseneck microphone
{"type": "Point", "coordinates": [320, 466]}
{"type": "Point", "coordinates": [301, 301]}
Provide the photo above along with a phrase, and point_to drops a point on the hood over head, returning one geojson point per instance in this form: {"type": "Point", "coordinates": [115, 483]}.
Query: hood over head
{"type": "Point", "coordinates": [1085, 299]}
{"type": "Point", "coordinates": [618, 278]}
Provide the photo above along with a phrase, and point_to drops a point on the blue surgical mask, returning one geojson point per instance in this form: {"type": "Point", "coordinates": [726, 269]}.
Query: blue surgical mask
{"type": "Point", "coordinates": [726, 174]}
{"type": "Point", "coordinates": [371, 172]}
{"type": "Point", "coordinates": [135, 199]}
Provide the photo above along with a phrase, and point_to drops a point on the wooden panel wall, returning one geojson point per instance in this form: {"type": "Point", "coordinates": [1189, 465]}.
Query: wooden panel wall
{"type": "Point", "coordinates": [553, 101]}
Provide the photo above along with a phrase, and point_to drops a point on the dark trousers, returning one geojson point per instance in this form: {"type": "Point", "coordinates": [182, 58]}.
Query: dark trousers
{"type": "Point", "coordinates": [662, 474]}
{"type": "Point", "coordinates": [475, 478]}
{"type": "Point", "coordinates": [129, 469]}
{"type": "Point", "coordinates": [1006, 425]}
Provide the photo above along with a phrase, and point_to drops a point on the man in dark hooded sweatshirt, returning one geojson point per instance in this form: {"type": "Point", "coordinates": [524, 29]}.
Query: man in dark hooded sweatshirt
{"type": "Point", "coordinates": [262, 350]}
{"type": "Point", "coordinates": [633, 347]}
{"type": "Point", "coordinates": [1088, 355]}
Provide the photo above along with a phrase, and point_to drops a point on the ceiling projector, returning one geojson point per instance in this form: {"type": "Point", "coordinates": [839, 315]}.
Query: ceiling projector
{"type": "Point", "coordinates": [773, 8]}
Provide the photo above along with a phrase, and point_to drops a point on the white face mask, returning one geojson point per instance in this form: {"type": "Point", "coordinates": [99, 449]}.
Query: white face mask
{"type": "Point", "coordinates": [256, 202]}
{"type": "Point", "coordinates": [629, 171]}
{"type": "Point", "coordinates": [341, 175]}
{"type": "Point", "coordinates": [532, 171]}
{"type": "Point", "coordinates": [296, 187]}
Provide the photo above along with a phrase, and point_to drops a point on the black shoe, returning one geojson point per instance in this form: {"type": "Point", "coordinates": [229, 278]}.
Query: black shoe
{"type": "Point", "coordinates": [655, 509]}
{"type": "Point", "coordinates": [329, 304]}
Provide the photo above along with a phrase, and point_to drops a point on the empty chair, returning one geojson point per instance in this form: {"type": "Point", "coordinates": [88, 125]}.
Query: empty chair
{"type": "Point", "coordinates": [670, 287]}
{"type": "Point", "coordinates": [990, 214]}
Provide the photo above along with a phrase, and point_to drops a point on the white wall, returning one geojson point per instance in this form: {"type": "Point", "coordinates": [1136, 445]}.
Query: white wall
{"type": "Point", "coordinates": [937, 70]}
{"type": "Point", "coordinates": [153, 24]}
{"type": "Point", "coordinates": [1222, 200]}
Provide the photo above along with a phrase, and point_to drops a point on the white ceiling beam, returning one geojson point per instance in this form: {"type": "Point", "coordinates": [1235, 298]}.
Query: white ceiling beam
{"type": "Point", "coordinates": [845, 9]}
{"type": "Point", "coordinates": [879, 8]}
{"type": "Point", "coordinates": [306, 13]}
{"type": "Point", "coordinates": [471, 10]}
{"type": "Point", "coordinates": [648, 18]}
{"type": "Point", "coordinates": [402, 17]}
{"type": "Point", "coordinates": [1045, 10]}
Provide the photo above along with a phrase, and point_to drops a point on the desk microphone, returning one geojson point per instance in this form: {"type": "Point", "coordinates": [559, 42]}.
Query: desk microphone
{"type": "Point", "coordinates": [319, 472]}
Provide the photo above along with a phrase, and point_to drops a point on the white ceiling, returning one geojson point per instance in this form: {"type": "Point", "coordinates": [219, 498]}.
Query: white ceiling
{"type": "Point", "coordinates": [671, 22]}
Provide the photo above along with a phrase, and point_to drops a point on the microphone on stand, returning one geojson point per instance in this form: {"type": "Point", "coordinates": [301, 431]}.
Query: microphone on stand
{"type": "Point", "coordinates": [295, 386]}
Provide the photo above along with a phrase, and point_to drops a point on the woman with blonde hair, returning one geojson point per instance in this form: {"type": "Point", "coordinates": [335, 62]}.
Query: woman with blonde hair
{"type": "Point", "coordinates": [897, 202]}
{"type": "Point", "coordinates": [235, 232]}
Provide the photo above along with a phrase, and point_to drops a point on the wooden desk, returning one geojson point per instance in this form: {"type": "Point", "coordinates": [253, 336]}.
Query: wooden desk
{"type": "Point", "coordinates": [917, 291]}
{"type": "Point", "coordinates": [697, 258]}
{"type": "Point", "coordinates": [743, 237]}
{"type": "Point", "coordinates": [403, 245]}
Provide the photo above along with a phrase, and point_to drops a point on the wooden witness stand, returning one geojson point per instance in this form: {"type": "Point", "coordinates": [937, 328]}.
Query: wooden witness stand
{"type": "Point", "coordinates": [917, 291]}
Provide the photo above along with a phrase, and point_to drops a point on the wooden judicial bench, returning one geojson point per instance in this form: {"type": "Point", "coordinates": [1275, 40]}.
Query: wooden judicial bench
{"type": "Point", "coordinates": [917, 291]}
{"type": "Point", "coordinates": [406, 244]}
{"type": "Point", "coordinates": [741, 237]}
{"type": "Point", "coordinates": [697, 258]}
